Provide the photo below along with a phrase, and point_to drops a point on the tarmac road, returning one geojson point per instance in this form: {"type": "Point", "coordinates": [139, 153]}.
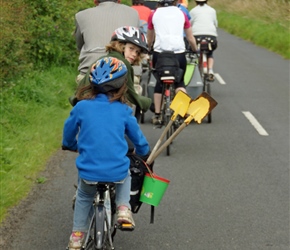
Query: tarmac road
{"type": "Point", "coordinates": [229, 184]}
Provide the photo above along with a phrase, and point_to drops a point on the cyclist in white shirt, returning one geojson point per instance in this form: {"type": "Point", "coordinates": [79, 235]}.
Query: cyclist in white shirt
{"type": "Point", "coordinates": [204, 24]}
{"type": "Point", "coordinates": [166, 25]}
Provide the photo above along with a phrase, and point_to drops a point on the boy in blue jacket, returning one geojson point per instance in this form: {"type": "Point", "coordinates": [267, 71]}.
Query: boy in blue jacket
{"type": "Point", "coordinates": [96, 128]}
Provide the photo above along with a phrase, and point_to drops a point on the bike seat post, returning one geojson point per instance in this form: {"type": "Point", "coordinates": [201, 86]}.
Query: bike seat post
{"type": "Point", "coordinates": [100, 197]}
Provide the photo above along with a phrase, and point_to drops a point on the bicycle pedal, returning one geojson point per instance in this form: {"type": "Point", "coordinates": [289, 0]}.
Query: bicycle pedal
{"type": "Point", "coordinates": [126, 227]}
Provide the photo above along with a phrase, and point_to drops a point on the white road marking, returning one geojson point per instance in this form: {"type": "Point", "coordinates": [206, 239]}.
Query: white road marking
{"type": "Point", "coordinates": [220, 79]}
{"type": "Point", "coordinates": [255, 123]}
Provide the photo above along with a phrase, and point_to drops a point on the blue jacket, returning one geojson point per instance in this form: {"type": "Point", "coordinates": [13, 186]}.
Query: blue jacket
{"type": "Point", "coordinates": [96, 128]}
{"type": "Point", "coordinates": [185, 11]}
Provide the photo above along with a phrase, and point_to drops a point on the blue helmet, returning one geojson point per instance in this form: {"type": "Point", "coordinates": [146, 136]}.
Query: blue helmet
{"type": "Point", "coordinates": [108, 74]}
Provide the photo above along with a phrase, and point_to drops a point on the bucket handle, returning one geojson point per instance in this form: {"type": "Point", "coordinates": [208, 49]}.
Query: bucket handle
{"type": "Point", "coordinates": [149, 170]}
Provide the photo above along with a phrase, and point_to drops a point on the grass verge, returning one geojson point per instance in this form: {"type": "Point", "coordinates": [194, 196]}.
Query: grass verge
{"type": "Point", "coordinates": [32, 116]}
{"type": "Point", "coordinates": [274, 36]}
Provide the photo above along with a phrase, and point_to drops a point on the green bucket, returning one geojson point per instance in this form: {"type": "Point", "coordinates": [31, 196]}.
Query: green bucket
{"type": "Point", "coordinates": [153, 189]}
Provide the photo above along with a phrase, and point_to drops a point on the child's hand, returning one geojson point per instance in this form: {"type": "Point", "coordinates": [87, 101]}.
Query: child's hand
{"type": "Point", "coordinates": [66, 148]}
{"type": "Point", "coordinates": [145, 157]}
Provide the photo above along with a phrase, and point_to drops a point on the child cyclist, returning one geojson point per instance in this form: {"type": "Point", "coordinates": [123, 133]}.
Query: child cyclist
{"type": "Point", "coordinates": [96, 128]}
{"type": "Point", "coordinates": [128, 44]}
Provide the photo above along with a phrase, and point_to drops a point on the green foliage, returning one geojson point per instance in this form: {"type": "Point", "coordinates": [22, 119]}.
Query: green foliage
{"type": "Point", "coordinates": [13, 36]}
{"type": "Point", "coordinates": [274, 37]}
{"type": "Point", "coordinates": [42, 35]}
{"type": "Point", "coordinates": [52, 26]}
{"type": "Point", "coordinates": [41, 180]}
{"type": "Point", "coordinates": [33, 110]}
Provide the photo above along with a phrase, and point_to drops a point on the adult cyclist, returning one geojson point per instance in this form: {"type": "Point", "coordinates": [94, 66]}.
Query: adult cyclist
{"type": "Point", "coordinates": [143, 12]}
{"type": "Point", "coordinates": [94, 27]}
{"type": "Point", "coordinates": [166, 25]}
{"type": "Point", "coordinates": [204, 25]}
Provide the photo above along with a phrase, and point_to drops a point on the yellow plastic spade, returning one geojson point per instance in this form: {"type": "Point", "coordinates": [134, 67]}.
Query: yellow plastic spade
{"type": "Point", "coordinates": [179, 105]}
{"type": "Point", "coordinates": [197, 110]}
{"type": "Point", "coordinates": [200, 107]}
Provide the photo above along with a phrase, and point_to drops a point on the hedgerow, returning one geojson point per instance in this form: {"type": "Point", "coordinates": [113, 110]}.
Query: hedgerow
{"type": "Point", "coordinates": [36, 34]}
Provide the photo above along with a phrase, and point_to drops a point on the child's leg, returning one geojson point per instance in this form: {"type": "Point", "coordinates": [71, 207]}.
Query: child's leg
{"type": "Point", "coordinates": [123, 192]}
{"type": "Point", "coordinates": [83, 206]}
{"type": "Point", "coordinates": [124, 214]}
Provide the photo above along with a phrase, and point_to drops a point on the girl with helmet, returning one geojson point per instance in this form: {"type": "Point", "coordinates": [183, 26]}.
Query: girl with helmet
{"type": "Point", "coordinates": [96, 128]}
{"type": "Point", "coordinates": [128, 44]}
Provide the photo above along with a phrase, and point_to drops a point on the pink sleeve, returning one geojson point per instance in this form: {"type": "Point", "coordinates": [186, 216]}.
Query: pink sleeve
{"type": "Point", "coordinates": [186, 22]}
{"type": "Point", "coordinates": [150, 24]}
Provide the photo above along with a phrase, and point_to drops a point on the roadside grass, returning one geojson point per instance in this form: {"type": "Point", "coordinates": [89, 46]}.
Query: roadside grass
{"type": "Point", "coordinates": [32, 117]}
{"type": "Point", "coordinates": [270, 11]}
{"type": "Point", "coordinates": [272, 36]}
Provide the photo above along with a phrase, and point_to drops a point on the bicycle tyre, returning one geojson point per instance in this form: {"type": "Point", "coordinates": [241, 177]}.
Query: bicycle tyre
{"type": "Point", "coordinates": [107, 244]}
{"type": "Point", "coordinates": [209, 118]}
{"type": "Point", "coordinates": [99, 230]}
{"type": "Point", "coordinates": [169, 115]}
{"type": "Point", "coordinates": [168, 134]}
{"type": "Point", "coordinates": [110, 220]}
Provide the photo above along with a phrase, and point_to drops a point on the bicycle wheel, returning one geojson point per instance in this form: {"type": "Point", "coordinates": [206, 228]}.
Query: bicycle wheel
{"type": "Point", "coordinates": [107, 240]}
{"type": "Point", "coordinates": [100, 233]}
{"type": "Point", "coordinates": [110, 219]}
{"type": "Point", "coordinates": [168, 116]}
{"type": "Point", "coordinates": [201, 71]}
{"type": "Point", "coordinates": [168, 134]}
{"type": "Point", "coordinates": [208, 91]}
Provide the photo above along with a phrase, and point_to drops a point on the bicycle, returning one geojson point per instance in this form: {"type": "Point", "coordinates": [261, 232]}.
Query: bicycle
{"type": "Point", "coordinates": [167, 71]}
{"type": "Point", "coordinates": [146, 71]}
{"type": "Point", "coordinates": [102, 227]}
{"type": "Point", "coordinates": [205, 46]}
